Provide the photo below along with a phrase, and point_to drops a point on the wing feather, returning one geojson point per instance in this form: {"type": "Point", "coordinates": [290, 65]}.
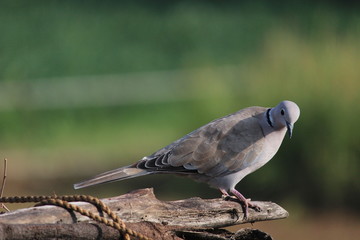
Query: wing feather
{"type": "Point", "coordinates": [221, 147]}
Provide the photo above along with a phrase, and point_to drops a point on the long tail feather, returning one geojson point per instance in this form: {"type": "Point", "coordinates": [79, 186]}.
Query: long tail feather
{"type": "Point", "coordinates": [113, 175]}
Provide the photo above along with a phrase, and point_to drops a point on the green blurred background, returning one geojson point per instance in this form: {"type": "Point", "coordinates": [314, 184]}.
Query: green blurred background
{"type": "Point", "coordinates": [88, 86]}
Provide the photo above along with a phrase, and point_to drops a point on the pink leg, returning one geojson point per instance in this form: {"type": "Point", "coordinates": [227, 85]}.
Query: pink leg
{"type": "Point", "coordinates": [224, 192]}
{"type": "Point", "coordinates": [245, 203]}
{"type": "Point", "coordinates": [243, 200]}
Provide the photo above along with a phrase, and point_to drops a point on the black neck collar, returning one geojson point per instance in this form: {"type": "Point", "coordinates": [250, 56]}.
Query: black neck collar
{"type": "Point", "coordinates": [268, 118]}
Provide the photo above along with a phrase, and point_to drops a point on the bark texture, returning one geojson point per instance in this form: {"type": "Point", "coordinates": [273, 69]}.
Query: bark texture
{"type": "Point", "coordinates": [193, 218]}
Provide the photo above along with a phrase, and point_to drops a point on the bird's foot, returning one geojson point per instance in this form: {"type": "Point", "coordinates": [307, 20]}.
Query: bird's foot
{"type": "Point", "coordinates": [253, 205]}
{"type": "Point", "coordinates": [225, 195]}
{"type": "Point", "coordinates": [248, 200]}
{"type": "Point", "coordinates": [228, 197]}
{"type": "Point", "coordinates": [245, 203]}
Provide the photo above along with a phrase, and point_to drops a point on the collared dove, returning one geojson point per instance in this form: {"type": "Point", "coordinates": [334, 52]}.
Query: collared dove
{"type": "Point", "coordinates": [220, 153]}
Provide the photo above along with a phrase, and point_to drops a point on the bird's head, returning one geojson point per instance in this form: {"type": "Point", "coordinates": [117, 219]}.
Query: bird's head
{"type": "Point", "coordinates": [285, 114]}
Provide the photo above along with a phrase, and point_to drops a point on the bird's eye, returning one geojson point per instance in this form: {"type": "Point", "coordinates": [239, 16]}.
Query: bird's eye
{"type": "Point", "coordinates": [282, 112]}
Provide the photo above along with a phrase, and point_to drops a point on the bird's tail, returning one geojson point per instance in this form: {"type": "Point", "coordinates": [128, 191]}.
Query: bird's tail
{"type": "Point", "coordinates": [111, 176]}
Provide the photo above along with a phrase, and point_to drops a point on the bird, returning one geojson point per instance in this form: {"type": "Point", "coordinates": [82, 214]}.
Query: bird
{"type": "Point", "coordinates": [220, 153]}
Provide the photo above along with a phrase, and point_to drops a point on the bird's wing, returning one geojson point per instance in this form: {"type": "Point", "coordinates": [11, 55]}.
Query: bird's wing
{"type": "Point", "coordinates": [221, 147]}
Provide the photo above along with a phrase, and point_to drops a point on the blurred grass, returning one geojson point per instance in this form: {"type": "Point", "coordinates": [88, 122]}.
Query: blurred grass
{"type": "Point", "coordinates": [239, 55]}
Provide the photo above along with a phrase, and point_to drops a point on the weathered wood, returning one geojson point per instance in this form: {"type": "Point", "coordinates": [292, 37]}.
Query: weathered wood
{"type": "Point", "coordinates": [193, 218]}
{"type": "Point", "coordinates": [88, 231]}
{"type": "Point", "coordinates": [81, 231]}
{"type": "Point", "coordinates": [142, 205]}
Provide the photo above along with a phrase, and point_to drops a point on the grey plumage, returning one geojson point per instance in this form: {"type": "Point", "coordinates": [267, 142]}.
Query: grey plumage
{"type": "Point", "coordinates": [219, 153]}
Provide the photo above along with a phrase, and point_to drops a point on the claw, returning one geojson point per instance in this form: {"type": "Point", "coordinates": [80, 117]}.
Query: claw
{"type": "Point", "coordinates": [245, 203]}
{"type": "Point", "coordinates": [254, 206]}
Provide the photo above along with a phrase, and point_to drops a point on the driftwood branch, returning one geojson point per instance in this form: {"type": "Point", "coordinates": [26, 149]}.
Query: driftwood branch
{"type": "Point", "coordinates": [3, 186]}
{"type": "Point", "coordinates": [143, 212]}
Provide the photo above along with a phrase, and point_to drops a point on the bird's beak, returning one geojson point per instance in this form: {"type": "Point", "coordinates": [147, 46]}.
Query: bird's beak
{"type": "Point", "coordinates": [289, 128]}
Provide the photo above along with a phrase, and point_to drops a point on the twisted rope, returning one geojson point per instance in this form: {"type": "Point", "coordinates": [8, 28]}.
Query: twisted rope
{"type": "Point", "coordinates": [63, 201]}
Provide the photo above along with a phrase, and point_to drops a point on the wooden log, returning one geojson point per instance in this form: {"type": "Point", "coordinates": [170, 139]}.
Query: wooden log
{"type": "Point", "coordinates": [87, 231]}
{"type": "Point", "coordinates": [142, 205]}
{"type": "Point", "coordinates": [141, 210]}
